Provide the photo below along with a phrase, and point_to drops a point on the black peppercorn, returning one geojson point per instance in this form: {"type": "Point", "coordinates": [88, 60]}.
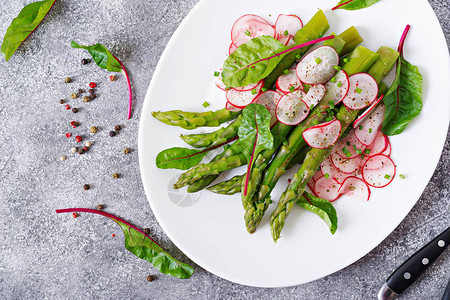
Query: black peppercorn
{"type": "Point", "coordinates": [61, 101]}
{"type": "Point", "coordinates": [80, 91]}
{"type": "Point", "coordinates": [86, 187]}
{"type": "Point", "coordinates": [93, 96]}
{"type": "Point", "coordinates": [68, 80]}
{"type": "Point", "coordinates": [146, 230]}
{"type": "Point", "coordinates": [91, 91]}
{"type": "Point", "coordinates": [117, 128]}
{"type": "Point", "coordinates": [112, 133]}
{"type": "Point", "coordinates": [150, 278]}
{"type": "Point", "coordinates": [81, 151]}
{"type": "Point", "coordinates": [85, 61]}
{"type": "Point", "coordinates": [74, 110]}
{"type": "Point", "coordinates": [100, 206]}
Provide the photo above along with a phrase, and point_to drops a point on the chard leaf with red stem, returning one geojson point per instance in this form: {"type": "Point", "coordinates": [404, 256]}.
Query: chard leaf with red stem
{"type": "Point", "coordinates": [106, 60]}
{"type": "Point", "coordinates": [143, 246]}
{"type": "Point", "coordinates": [29, 18]}
{"type": "Point", "coordinates": [255, 127]}
{"type": "Point", "coordinates": [354, 4]}
{"type": "Point", "coordinates": [321, 207]}
{"type": "Point", "coordinates": [403, 100]}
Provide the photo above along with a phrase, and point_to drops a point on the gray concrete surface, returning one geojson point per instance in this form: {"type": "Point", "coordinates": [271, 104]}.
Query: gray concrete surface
{"type": "Point", "coordinates": [44, 255]}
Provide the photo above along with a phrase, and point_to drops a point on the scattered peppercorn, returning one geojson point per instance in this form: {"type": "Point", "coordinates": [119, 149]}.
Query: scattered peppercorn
{"type": "Point", "coordinates": [63, 157]}
{"type": "Point", "coordinates": [150, 278]}
{"type": "Point", "coordinates": [126, 151]}
{"type": "Point", "coordinates": [61, 101]}
{"type": "Point", "coordinates": [117, 128]}
{"type": "Point", "coordinates": [112, 133]}
{"type": "Point", "coordinates": [74, 110]}
{"type": "Point", "coordinates": [100, 206]}
{"type": "Point", "coordinates": [78, 138]}
{"type": "Point", "coordinates": [92, 84]}
{"type": "Point", "coordinates": [115, 175]}
{"type": "Point", "coordinates": [74, 96]}
{"type": "Point", "coordinates": [74, 124]}
{"type": "Point", "coordinates": [86, 99]}
{"type": "Point", "coordinates": [68, 80]}
{"type": "Point", "coordinates": [112, 78]}
{"type": "Point", "coordinates": [73, 150]}
{"type": "Point", "coordinates": [81, 151]}
{"type": "Point", "coordinates": [93, 96]}
{"type": "Point", "coordinates": [91, 91]}
{"type": "Point", "coordinates": [67, 106]}
{"type": "Point", "coordinates": [74, 215]}
{"type": "Point", "coordinates": [80, 91]}
{"type": "Point", "coordinates": [146, 230]}
{"type": "Point", "coordinates": [85, 148]}
{"type": "Point", "coordinates": [88, 144]}
{"type": "Point", "coordinates": [68, 134]}
{"type": "Point", "coordinates": [86, 187]}
{"type": "Point", "coordinates": [85, 61]}
{"type": "Point", "coordinates": [93, 129]}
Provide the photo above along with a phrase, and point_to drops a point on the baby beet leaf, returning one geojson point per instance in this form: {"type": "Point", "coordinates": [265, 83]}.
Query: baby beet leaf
{"type": "Point", "coordinates": [143, 246]}
{"type": "Point", "coordinates": [23, 25]}
{"type": "Point", "coordinates": [354, 4]}
{"type": "Point", "coordinates": [323, 208]}
{"type": "Point", "coordinates": [106, 60]}
{"type": "Point", "coordinates": [255, 127]}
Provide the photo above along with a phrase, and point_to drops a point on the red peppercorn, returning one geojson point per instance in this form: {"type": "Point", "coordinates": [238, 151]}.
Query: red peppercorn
{"type": "Point", "coordinates": [85, 148]}
{"type": "Point", "coordinates": [92, 85]}
{"type": "Point", "coordinates": [74, 215]}
{"type": "Point", "coordinates": [67, 106]}
{"type": "Point", "coordinates": [68, 134]}
{"type": "Point", "coordinates": [112, 78]}
{"type": "Point", "coordinates": [113, 235]}
{"type": "Point", "coordinates": [78, 138]}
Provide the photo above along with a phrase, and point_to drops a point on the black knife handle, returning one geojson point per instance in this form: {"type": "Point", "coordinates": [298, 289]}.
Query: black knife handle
{"type": "Point", "coordinates": [410, 270]}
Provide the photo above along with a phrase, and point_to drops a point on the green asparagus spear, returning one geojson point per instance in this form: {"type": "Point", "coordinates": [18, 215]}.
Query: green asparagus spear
{"type": "Point", "coordinates": [352, 40]}
{"type": "Point", "coordinates": [228, 187]}
{"type": "Point", "coordinates": [217, 137]}
{"type": "Point", "coordinates": [192, 120]}
{"type": "Point", "coordinates": [316, 156]}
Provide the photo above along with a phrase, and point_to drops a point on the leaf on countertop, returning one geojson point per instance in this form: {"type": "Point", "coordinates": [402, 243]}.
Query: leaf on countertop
{"type": "Point", "coordinates": [321, 207]}
{"type": "Point", "coordinates": [354, 4]}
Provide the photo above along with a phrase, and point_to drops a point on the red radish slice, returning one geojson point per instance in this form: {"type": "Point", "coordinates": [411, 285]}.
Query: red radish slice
{"type": "Point", "coordinates": [362, 91]}
{"type": "Point", "coordinates": [247, 87]}
{"type": "Point", "coordinates": [318, 66]}
{"type": "Point", "coordinates": [350, 142]}
{"type": "Point", "coordinates": [378, 171]}
{"type": "Point", "coordinates": [289, 23]}
{"type": "Point", "coordinates": [285, 81]}
{"type": "Point", "coordinates": [368, 129]}
{"type": "Point", "coordinates": [232, 48]}
{"type": "Point", "coordinates": [347, 166]}
{"type": "Point", "coordinates": [269, 99]}
{"type": "Point", "coordinates": [291, 109]}
{"type": "Point", "coordinates": [337, 88]}
{"type": "Point", "coordinates": [379, 144]}
{"type": "Point", "coordinates": [242, 99]}
{"type": "Point", "coordinates": [387, 152]}
{"type": "Point", "coordinates": [327, 167]}
{"type": "Point", "coordinates": [363, 116]}
{"type": "Point", "coordinates": [284, 39]}
{"type": "Point", "coordinates": [323, 135]}
{"type": "Point", "coordinates": [231, 107]}
{"type": "Point", "coordinates": [250, 26]}
{"type": "Point", "coordinates": [220, 84]}
{"type": "Point", "coordinates": [327, 188]}
{"type": "Point", "coordinates": [314, 95]}
{"type": "Point", "coordinates": [355, 187]}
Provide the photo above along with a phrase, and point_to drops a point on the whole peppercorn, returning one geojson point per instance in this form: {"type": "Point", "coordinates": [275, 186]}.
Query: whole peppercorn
{"type": "Point", "coordinates": [150, 278]}
{"type": "Point", "coordinates": [61, 101]}
{"type": "Point", "coordinates": [146, 230]}
{"type": "Point", "coordinates": [126, 151]}
{"type": "Point", "coordinates": [86, 187]}
{"type": "Point", "coordinates": [74, 215]}
{"type": "Point", "coordinates": [74, 96]}
{"type": "Point", "coordinates": [93, 96]}
{"type": "Point", "coordinates": [80, 91]}
{"type": "Point", "coordinates": [115, 175]}
{"type": "Point", "coordinates": [112, 133]}
{"type": "Point", "coordinates": [85, 61]}
{"type": "Point", "coordinates": [92, 85]}
{"type": "Point", "coordinates": [68, 80]}
{"type": "Point", "coordinates": [81, 151]}
{"type": "Point", "coordinates": [63, 157]}
{"type": "Point", "coordinates": [117, 128]}
{"type": "Point", "coordinates": [88, 144]}
{"type": "Point", "coordinates": [73, 150]}
{"type": "Point", "coordinates": [68, 134]}
{"type": "Point", "coordinates": [112, 78]}
{"type": "Point", "coordinates": [86, 99]}
{"type": "Point", "coordinates": [78, 138]}
{"type": "Point", "coordinates": [91, 91]}
{"type": "Point", "coordinates": [74, 110]}
{"type": "Point", "coordinates": [93, 129]}
{"type": "Point", "coordinates": [100, 206]}
{"type": "Point", "coordinates": [67, 106]}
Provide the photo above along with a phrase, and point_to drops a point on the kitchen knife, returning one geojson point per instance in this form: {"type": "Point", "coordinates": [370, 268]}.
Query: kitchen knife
{"type": "Point", "coordinates": [405, 275]}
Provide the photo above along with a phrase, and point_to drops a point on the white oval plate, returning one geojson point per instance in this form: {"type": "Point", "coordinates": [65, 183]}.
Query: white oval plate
{"type": "Point", "coordinates": [209, 228]}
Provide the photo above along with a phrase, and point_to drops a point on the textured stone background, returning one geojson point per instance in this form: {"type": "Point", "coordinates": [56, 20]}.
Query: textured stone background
{"type": "Point", "coordinates": [44, 255]}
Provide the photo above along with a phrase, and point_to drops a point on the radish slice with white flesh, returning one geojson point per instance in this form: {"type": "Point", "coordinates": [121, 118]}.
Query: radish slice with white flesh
{"type": "Point", "coordinates": [231, 107]}
{"type": "Point", "coordinates": [337, 88]}
{"type": "Point", "coordinates": [327, 188]}
{"type": "Point", "coordinates": [363, 116]}
{"type": "Point", "coordinates": [314, 95]}
{"type": "Point", "coordinates": [378, 171]}
{"type": "Point", "coordinates": [284, 39]}
{"type": "Point", "coordinates": [349, 147]}
{"type": "Point", "coordinates": [378, 145]}
{"type": "Point", "coordinates": [289, 23]}
{"type": "Point", "coordinates": [250, 26]}
{"type": "Point", "coordinates": [318, 66]}
{"type": "Point", "coordinates": [313, 180]}
{"type": "Point", "coordinates": [241, 99]}
{"type": "Point", "coordinates": [289, 81]}
{"type": "Point", "coordinates": [323, 135]}
{"type": "Point", "coordinates": [345, 165]}
{"type": "Point", "coordinates": [356, 188]}
{"type": "Point", "coordinates": [232, 48]}
{"type": "Point", "coordinates": [247, 87]}
{"type": "Point", "coordinates": [328, 169]}
{"type": "Point", "coordinates": [269, 99]}
{"type": "Point", "coordinates": [368, 129]}
{"type": "Point", "coordinates": [387, 152]}
{"type": "Point", "coordinates": [362, 91]}
{"type": "Point", "coordinates": [291, 109]}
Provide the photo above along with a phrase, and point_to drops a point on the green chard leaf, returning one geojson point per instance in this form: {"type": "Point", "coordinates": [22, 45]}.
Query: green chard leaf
{"type": "Point", "coordinates": [143, 246]}
{"type": "Point", "coordinates": [403, 100]}
{"type": "Point", "coordinates": [255, 127]}
{"type": "Point", "coordinates": [29, 18]}
{"type": "Point", "coordinates": [354, 4]}
{"type": "Point", "coordinates": [323, 208]}
{"type": "Point", "coordinates": [179, 158]}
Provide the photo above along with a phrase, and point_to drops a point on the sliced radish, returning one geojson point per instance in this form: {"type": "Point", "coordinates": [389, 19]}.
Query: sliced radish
{"type": "Point", "coordinates": [378, 171]}
{"type": "Point", "coordinates": [387, 152]}
{"type": "Point", "coordinates": [291, 109]}
{"type": "Point", "coordinates": [337, 88]}
{"type": "Point", "coordinates": [368, 129]}
{"type": "Point", "coordinates": [241, 99]}
{"type": "Point", "coordinates": [269, 99]}
{"type": "Point", "coordinates": [250, 26]}
{"type": "Point", "coordinates": [286, 81]}
{"type": "Point", "coordinates": [355, 187]}
{"type": "Point", "coordinates": [231, 107]}
{"type": "Point", "coordinates": [318, 66]}
{"type": "Point", "coordinates": [289, 23]}
{"type": "Point", "coordinates": [345, 165]}
{"type": "Point", "coordinates": [327, 188]}
{"type": "Point", "coordinates": [349, 147]}
{"type": "Point", "coordinates": [323, 135]}
{"type": "Point", "coordinates": [363, 116]}
{"type": "Point", "coordinates": [362, 91]}
{"type": "Point", "coordinates": [327, 167]}
{"type": "Point", "coordinates": [379, 144]}
{"type": "Point", "coordinates": [232, 48]}
{"type": "Point", "coordinates": [314, 95]}
{"type": "Point", "coordinates": [284, 39]}
{"type": "Point", "coordinates": [247, 87]}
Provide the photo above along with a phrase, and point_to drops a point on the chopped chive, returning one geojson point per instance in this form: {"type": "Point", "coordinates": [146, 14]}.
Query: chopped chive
{"type": "Point", "coordinates": [387, 176]}
{"type": "Point", "coordinates": [298, 56]}
{"type": "Point", "coordinates": [367, 151]}
{"type": "Point", "coordinates": [358, 151]}
{"type": "Point", "coordinates": [401, 176]}
{"type": "Point", "coordinates": [370, 130]}
{"type": "Point", "coordinates": [285, 142]}
{"type": "Point", "coordinates": [205, 104]}
{"type": "Point", "coordinates": [346, 152]}
{"type": "Point", "coordinates": [216, 74]}
{"type": "Point", "coordinates": [361, 127]}
{"type": "Point", "coordinates": [354, 147]}
{"type": "Point", "coordinates": [291, 88]}
{"type": "Point", "coordinates": [358, 90]}
{"type": "Point", "coordinates": [328, 119]}
{"type": "Point", "coordinates": [326, 175]}
{"type": "Point", "coordinates": [333, 79]}
{"type": "Point", "coordinates": [352, 188]}
{"type": "Point", "coordinates": [348, 143]}
{"type": "Point", "coordinates": [286, 33]}
{"type": "Point", "coordinates": [247, 33]}
{"type": "Point", "coordinates": [331, 103]}
{"type": "Point", "coordinates": [337, 68]}
{"type": "Point", "coordinates": [263, 89]}
{"type": "Point", "coordinates": [339, 84]}
{"type": "Point", "coordinates": [254, 92]}
{"type": "Point", "coordinates": [286, 71]}
{"type": "Point", "coordinates": [318, 60]}
{"type": "Point", "coordinates": [311, 107]}
{"type": "Point", "coordinates": [315, 122]}
{"type": "Point", "coordinates": [362, 156]}
{"type": "Point", "coordinates": [346, 60]}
